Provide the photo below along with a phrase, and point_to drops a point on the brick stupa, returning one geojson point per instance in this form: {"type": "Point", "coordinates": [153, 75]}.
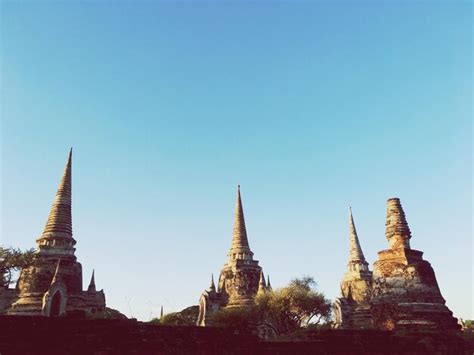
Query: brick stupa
{"type": "Point", "coordinates": [52, 286]}
{"type": "Point", "coordinates": [352, 309]}
{"type": "Point", "coordinates": [240, 279]}
{"type": "Point", "coordinates": [405, 293]}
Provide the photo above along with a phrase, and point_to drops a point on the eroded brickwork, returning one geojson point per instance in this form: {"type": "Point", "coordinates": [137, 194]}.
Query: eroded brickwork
{"type": "Point", "coordinates": [52, 286]}
{"type": "Point", "coordinates": [402, 294]}
{"type": "Point", "coordinates": [239, 278]}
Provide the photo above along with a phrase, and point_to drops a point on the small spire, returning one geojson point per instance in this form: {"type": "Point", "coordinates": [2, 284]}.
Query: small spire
{"type": "Point", "coordinates": [355, 251]}
{"type": "Point", "coordinates": [397, 230]}
{"type": "Point", "coordinates": [212, 287]}
{"type": "Point", "coordinates": [91, 287]}
{"type": "Point", "coordinates": [57, 276]}
{"type": "Point", "coordinates": [262, 287]}
{"type": "Point", "coordinates": [269, 285]}
{"type": "Point", "coordinates": [161, 312]}
{"type": "Point", "coordinates": [240, 242]}
{"type": "Point", "coordinates": [60, 221]}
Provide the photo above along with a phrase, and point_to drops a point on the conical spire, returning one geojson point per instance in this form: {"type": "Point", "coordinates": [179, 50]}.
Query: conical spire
{"type": "Point", "coordinates": [57, 276]}
{"type": "Point", "coordinates": [355, 251]}
{"type": "Point", "coordinates": [212, 287]}
{"type": "Point", "coordinates": [59, 222]}
{"type": "Point", "coordinates": [91, 287]}
{"type": "Point", "coordinates": [161, 312]}
{"type": "Point", "coordinates": [240, 242]}
{"type": "Point", "coordinates": [269, 285]}
{"type": "Point", "coordinates": [397, 230]}
{"type": "Point", "coordinates": [262, 287]}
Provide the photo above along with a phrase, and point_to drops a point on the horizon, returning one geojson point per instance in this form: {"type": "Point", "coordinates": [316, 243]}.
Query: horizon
{"type": "Point", "coordinates": [310, 107]}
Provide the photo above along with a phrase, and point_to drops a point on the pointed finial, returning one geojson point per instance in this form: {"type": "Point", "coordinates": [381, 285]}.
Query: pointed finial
{"type": "Point", "coordinates": [91, 287]}
{"type": "Point", "coordinates": [269, 285]}
{"type": "Point", "coordinates": [397, 230]}
{"type": "Point", "coordinates": [60, 221]}
{"type": "Point", "coordinates": [212, 287]}
{"type": "Point", "coordinates": [240, 242]}
{"type": "Point", "coordinates": [56, 276]}
{"type": "Point", "coordinates": [161, 312]}
{"type": "Point", "coordinates": [262, 287]}
{"type": "Point", "coordinates": [355, 251]}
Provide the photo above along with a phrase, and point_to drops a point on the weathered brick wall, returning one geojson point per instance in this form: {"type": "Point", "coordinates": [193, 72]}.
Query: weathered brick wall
{"type": "Point", "coordinates": [39, 335]}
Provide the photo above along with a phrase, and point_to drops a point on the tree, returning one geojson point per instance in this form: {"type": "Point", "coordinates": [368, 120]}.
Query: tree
{"type": "Point", "coordinates": [107, 313]}
{"type": "Point", "coordinates": [292, 307]}
{"type": "Point", "coordinates": [467, 324]}
{"type": "Point", "coordinates": [12, 260]}
{"type": "Point", "coordinates": [242, 318]}
{"type": "Point", "coordinates": [284, 310]}
{"type": "Point", "coordinates": [187, 316]}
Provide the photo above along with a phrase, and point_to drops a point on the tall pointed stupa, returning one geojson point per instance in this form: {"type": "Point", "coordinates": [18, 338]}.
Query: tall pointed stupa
{"type": "Point", "coordinates": [405, 294]}
{"type": "Point", "coordinates": [241, 272]}
{"type": "Point", "coordinates": [38, 295]}
{"type": "Point", "coordinates": [239, 278]}
{"type": "Point", "coordinates": [352, 308]}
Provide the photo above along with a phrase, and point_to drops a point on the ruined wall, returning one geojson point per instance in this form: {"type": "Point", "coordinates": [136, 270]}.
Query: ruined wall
{"type": "Point", "coordinates": [40, 335]}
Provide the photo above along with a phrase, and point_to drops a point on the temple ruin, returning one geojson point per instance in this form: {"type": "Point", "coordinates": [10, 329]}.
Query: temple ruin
{"type": "Point", "coordinates": [52, 286]}
{"type": "Point", "coordinates": [241, 277]}
{"type": "Point", "coordinates": [402, 293]}
{"type": "Point", "coordinates": [353, 307]}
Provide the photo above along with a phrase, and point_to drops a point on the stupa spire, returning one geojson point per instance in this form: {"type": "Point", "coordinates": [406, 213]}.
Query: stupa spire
{"type": "Point", "coordinates": [91, 287]}
{"type": "Point", "coordinates": [269, 285]}
{"type": "Point", "coordinates": [240, 244]}
{"type": "Point", "coordinates": [59, 222]}
{"type": "Point", "coordinates": [397, 230]}
{"type": "Point", "coordinates": [212, 287]}
{"type": "Point", "coordinates": [355, 251]}
{"type": "Point", "coordinates": [262, 287]}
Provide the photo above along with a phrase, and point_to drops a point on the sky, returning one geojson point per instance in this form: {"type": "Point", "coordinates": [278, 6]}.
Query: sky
{"type": "Point", "coordinates": [311, 107]}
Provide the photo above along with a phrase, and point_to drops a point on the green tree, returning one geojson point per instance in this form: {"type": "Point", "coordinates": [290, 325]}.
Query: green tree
{"type": "Point", "coordinates": [12, 260]}
{"type": "Point", "coordinates": [292, 307]}
{"type": "Point", "coordinates": [107, 313]}
{"type": "Point", "coordinates": [187, 316]}
{"type": "Point", "coordinates": [467, 324]}
{"type": "Point", "coordinates": [242, 318]}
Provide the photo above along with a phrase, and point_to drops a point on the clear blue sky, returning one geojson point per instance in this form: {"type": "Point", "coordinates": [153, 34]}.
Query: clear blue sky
{"type": "Point", "coordinates": [310, 106]}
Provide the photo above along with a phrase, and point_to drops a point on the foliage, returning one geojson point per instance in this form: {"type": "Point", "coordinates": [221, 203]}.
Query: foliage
{"type": "Point", "coordinates": [294, 306]}
{"type": "Point", "coordinates": [468, 331]}
{"type": "Point", "coordinates": [107, 313]}
{"type": "Point", "coordinates": [242, 318]}
{"type": "Point", "coordinates": [187, 316]}
{"type": "Point", "coordinates": [155, 320]}
{"type": "Point", "coordinates": [284, 310]}
{"type": "Point", "coordinates": [467, 324]}
{"type": "Point", "coordinates": [12, 260]}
